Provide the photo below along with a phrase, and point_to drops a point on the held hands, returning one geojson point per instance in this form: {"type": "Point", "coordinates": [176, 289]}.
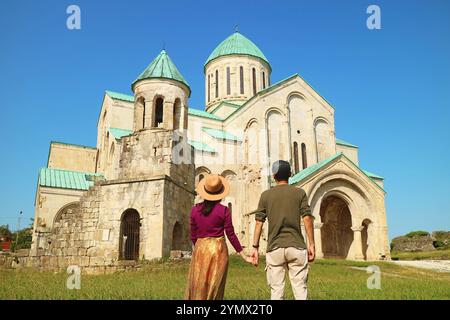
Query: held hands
{"type": "Point", "coordinates": [250, 259]}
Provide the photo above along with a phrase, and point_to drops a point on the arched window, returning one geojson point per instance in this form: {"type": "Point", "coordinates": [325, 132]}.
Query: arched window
{"type": "Point", "coordinates": [254, 80]}
{"type": "Point", "coordinates": [228, 81]}
{"type": "Point", "coordinates": [158, 112]}
{"type": "Point", "coordinates": [296, 163]}
{"type": "Point", "coordinates": [241, 79]}
{"type": "Point", "coordinates": [111, 154]}
{"type": "Point", "coordinates": [304, 160]}
{"type": "Point", "coordinates": [217, 83]}
{"type": "Point", "coordinates": [263, 80]}
{"type": "Point", "coordinates": [176, 114]}
{"type": "Point", "coordinates": [209, 87]}
{"type": "Point", "coordinates": [141, 106]}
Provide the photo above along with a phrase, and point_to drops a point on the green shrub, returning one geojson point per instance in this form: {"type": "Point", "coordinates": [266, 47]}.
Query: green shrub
{"type": "Point", "coordinates": [417, 234]}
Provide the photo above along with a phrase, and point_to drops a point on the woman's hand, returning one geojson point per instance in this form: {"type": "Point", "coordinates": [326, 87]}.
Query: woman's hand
{"type": "Point", "coordinates": [245, 257]}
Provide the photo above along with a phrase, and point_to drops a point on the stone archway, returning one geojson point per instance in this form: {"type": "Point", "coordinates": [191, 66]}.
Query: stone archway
{"type": "Point", "coordinates": [129, 235]}
{"type": "Point", "coordinates": [177, 237]}
{"type": "Point", "coordinates": [336, 232]}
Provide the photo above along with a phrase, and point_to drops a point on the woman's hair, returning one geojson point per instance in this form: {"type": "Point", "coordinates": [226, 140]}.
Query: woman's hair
{"type": "Point", "coordinates": [207, 206]}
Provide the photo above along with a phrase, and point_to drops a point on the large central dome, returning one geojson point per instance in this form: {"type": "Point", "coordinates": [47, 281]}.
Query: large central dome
{"type": "Point", "coordinates": [236, 44]}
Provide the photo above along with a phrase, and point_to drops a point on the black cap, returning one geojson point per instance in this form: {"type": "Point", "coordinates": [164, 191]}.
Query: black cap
{"type": "Point", "coordinates": [281, 169]}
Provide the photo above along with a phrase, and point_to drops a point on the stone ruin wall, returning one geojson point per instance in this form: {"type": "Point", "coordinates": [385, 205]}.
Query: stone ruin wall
{"type": "Point", "coordinates": [161, 192]}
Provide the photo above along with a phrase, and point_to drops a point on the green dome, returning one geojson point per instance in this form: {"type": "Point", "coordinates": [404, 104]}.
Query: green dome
{"type": "Point", "coordinates": [236, 44]}
{"type": "Point", "coordinates": [162, 67]}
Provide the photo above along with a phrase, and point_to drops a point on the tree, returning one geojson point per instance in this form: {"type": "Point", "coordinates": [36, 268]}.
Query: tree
{"type": "Point", "coordinates": [5, 232]}
{"type": "Point", "coordinates": [22, 238]}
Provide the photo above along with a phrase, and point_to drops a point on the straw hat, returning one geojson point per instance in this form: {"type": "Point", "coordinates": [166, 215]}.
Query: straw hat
{"type": "Point", "coordinates": [213, 187]}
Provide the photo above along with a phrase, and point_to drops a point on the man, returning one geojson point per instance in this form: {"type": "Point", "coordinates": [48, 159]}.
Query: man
{"type": "Point", "coordinates": [284, 206]}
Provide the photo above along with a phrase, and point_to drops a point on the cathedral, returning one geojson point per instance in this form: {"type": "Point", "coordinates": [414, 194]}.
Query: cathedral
{"type": "Point", "coordinates": [129, 197]}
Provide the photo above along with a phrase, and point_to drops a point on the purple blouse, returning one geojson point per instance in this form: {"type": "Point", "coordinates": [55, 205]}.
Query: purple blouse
{"type": "Point", "coordinates": [213, 225]}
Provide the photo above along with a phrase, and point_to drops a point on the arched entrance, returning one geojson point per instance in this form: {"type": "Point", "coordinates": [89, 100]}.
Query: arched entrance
{"type": "Point", "coordinates": [129, 235]}
{"type": "Point", "coordinates": [177, 237]}
{"type": "Point", "coordinates": [336, 232]}
{"type": "Point", "coordinates": [365, 237]}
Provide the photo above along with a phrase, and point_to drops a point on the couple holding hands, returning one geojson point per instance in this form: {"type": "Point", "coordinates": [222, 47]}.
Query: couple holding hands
{"type": "Point", "coordinates": [283, 206]}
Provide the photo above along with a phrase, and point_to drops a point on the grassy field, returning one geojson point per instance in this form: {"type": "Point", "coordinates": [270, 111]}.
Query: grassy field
{"type": "Point", "coordinates": [427, 255]}
{"type": "Point", "coordinates": [329, 279]}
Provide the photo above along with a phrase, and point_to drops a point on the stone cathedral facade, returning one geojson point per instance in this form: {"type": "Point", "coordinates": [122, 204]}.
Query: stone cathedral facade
{"type": "Point", "coordinates": [129, 197]}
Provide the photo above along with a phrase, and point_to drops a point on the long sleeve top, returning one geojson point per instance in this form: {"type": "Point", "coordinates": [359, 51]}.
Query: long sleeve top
{"type": "Point", "coordinates": [214, 224]}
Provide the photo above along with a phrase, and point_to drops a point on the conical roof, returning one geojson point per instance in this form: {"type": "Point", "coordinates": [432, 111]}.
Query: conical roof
{"type": "Point", "coordinates": [162, 67]}
{"type": "Point", "coordinates": [236, 44]}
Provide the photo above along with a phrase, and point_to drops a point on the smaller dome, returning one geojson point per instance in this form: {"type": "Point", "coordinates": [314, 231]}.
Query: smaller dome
{"type": "Point", "coordinates": [162, 67]}
{"type": "Point", "coordinates": [236, 44]}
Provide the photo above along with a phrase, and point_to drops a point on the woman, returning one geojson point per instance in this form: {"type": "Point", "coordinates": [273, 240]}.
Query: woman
{"type": "Point", "coordinates": [209, 220]}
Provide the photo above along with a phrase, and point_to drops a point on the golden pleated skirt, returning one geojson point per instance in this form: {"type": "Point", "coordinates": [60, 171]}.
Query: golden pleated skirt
{"type": "Point", "coordinates": [208, 270]}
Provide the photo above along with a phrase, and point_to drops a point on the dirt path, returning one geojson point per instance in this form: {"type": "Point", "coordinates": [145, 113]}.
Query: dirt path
{"type": "Point", "coordinates": [436, 265]}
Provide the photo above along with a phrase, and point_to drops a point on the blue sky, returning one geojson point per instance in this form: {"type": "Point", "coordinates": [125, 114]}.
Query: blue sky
{"type": "Point", "coordinates": [390, 87]}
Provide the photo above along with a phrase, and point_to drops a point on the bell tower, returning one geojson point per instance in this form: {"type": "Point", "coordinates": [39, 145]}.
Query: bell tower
{"type": "Point", "coordinates": [161, 96]}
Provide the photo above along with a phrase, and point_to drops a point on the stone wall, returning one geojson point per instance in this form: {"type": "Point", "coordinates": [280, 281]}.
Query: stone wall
{"type": "Point", "coordinates": [149, 182]}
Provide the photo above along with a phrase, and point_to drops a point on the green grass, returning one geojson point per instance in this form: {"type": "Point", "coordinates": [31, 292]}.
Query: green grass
{"type": "Point", "coordinates": [328, 279]}
{"type": "Point", "coordinates": [440, 254]}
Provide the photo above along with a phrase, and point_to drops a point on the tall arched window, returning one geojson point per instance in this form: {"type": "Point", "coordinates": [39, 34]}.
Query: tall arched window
{"type": "Point", "coordinates": [304, 160]}
{"type": "Point", "coordinates": [158, 112]}
{"type": "Point", "coordinates": [176, 114]}
{"type": "Point", "coordinates": [254, 80]}
{"type": "Point", "coordinates": [217, 83]}
{"type": "Point", "coordinates": [228, 81]}
{"type": "Point", "coordinates": [241, 79]}
{"type": "Point", "coordinates": [140, 110]}
{"type": "Point", "coordinates": [263, 80]}
{"type": "Point", "coordinates": [296, 163]}
{"type": "Point", "coordinates": [209, 87]}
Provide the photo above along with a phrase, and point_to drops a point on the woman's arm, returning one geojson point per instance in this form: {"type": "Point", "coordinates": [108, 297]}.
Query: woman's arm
{"type": "Point", "coordinates": [229, 230]}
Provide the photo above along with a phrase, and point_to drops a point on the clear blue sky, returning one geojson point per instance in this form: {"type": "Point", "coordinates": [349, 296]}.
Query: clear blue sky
{"type": "Point", "coordinates": [390, 88]}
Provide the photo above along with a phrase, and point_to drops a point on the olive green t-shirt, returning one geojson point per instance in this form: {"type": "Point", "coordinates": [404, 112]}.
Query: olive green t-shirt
{"type": "Point", "coordinates": [283, 206]}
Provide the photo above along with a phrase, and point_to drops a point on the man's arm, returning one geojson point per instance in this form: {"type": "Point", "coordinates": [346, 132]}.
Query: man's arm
{"type": "Point", "coordinates": [256, 237]}
{"type": "Point", "coordinates": [308, 221]}
{"type": "Point", "coordinates": [260, 218]}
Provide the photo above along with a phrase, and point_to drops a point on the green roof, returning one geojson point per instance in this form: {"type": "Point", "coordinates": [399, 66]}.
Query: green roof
{"type": "Point", "coordinates": [372, 175]}
{"type": "Point", "coordinates": [226, 103]}
{"type": "Point", "coordinates": [317, 166]}
{"type": "Point", "coordinates": [162, 67]}
{"type": "Point", "coordinates": [200, 146]}
{"type": "Point", "coordinates": [203, 114]}
{"type": "Point", "coordinates": [236, 44]}
{"type": "Point", "coordinates": [119, 133]}
{"type": "Point", "coordinates": [220, 134]}
{"type": "Point", "coordinates": [66, 179]}
{"type": "Point", "coordinates": [311, 169]}
{"type": "Point", "coordinates": [120, 96]}
{"type": "Point", "coordinates": [345, 143]}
